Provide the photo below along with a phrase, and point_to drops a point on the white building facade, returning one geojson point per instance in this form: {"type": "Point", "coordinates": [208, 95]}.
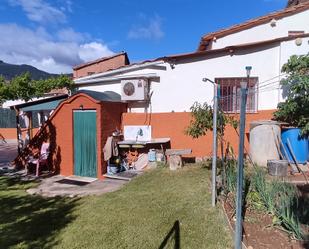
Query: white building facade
{"type": "Point", "coordinates": [176, 82]}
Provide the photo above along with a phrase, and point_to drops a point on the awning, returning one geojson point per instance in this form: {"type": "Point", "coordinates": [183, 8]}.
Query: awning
{"type": "Point", "coordinates": [45, 104]}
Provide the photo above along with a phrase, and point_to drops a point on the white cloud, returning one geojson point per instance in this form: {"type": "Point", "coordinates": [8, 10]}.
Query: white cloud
{"type": "Point", "coordinates": [93, 50]}
{"type": "Point", "coordinates": [150, 30]}
{"type": "Point", "coordinates": [48, 64]}
{"type": "Point", "coordinates": [70, 35]}
{"type": "Point", "coordinates": [41, 11]}
{"type": "Point", "coordinates": [67, 6]}
{"type": "Point", "coordinates": [20, 45]}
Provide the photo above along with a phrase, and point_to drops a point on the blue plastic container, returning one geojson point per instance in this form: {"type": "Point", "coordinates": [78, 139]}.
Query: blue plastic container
{"type": "Point", "coordinates": [152, 155]}
{"type": "Point", "coordinates": [299, 145]}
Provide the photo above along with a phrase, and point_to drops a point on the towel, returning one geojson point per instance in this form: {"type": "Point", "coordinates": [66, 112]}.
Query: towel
{"type": "Point", "coordinates": [110, 148]}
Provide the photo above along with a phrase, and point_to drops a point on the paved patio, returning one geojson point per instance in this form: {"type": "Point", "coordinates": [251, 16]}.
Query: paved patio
{"type": "Point", "coordinates": [51, 186]}
{"type": "Point", "coordinates": [62, 186]}
{"type": "Point", "coordinates": [8, 152]}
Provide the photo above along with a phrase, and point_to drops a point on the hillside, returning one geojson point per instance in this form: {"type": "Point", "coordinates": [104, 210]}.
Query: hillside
{"type": "Point", "coordinates": [9, 71]}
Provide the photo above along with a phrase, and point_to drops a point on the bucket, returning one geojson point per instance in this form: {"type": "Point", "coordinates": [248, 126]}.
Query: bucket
{"type": "Point", "coordinates": [277, 167]}
{"type": "Point", "coordinates": [299, 145]}
{"type": "Point", "coordinates": [152, 155]}
{"type": "Point", "coordinates": [113, 169]}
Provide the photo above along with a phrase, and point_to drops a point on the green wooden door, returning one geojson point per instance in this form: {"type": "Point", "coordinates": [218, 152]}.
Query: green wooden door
{"type": "Point", "coordinates": [85, 143]}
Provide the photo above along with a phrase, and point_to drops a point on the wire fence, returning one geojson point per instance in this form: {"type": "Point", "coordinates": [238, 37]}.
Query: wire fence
{"type": "Point", "coordinates": [8, 119]}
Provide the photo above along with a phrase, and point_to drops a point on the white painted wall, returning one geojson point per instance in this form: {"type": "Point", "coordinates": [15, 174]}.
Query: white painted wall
{"type": "Point", "coordinates": [9, 103]}
{"type": "Point", "coordinates": [297, 22]}
{"type": "Point", "coordinates": [180, 87]}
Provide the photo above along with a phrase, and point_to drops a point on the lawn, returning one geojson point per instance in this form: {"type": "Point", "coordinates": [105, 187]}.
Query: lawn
{"type": "Point", "coordinates": [160, 209]}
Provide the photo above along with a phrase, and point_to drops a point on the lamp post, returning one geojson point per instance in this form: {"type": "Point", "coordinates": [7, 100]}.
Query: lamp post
{"type": "Point", "coordinates": [240, 166]}
{"type": "Point", "coordinates": [214, 144]}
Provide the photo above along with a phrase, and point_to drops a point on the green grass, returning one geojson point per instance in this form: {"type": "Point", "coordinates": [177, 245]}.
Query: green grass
{"type": "Point", "coordinates": [160, 209]}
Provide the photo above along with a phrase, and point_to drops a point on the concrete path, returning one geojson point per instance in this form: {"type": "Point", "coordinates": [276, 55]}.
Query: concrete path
{"type": "Point", "coordinates": [52, 186]}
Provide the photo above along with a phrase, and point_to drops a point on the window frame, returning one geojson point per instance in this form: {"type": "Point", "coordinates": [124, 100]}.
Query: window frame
{"type": "Point", "coordinates": [233, 84]}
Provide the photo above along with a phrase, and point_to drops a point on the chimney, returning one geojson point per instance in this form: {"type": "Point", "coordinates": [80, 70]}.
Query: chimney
{"type": "Point", "coordinates": [295, 2]}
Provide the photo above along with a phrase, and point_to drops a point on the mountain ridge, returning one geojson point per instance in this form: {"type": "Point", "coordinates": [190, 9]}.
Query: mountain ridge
{"type": "Point", "coordinates": [9, 71]}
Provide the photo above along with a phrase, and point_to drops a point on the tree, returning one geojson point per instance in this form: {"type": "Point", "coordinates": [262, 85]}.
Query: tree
{"type": "Point", "coordinates": [3, 90]}
{"type": "Point", "coordinates": [202, 120]}
{"type": "Point", "coordinates": [295, 110]}
{"type": "Point", "coordinates": [24, 88]}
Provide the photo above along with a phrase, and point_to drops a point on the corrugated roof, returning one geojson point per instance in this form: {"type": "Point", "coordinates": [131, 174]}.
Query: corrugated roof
{"type": "Point", "coordinates": [251, 23]}
{"type": "Point", "coordinates": [102, 96]}
{"type": "Point", "coordinates": [41, 104]}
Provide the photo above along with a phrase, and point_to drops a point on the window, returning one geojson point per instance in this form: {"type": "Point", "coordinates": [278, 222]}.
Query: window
{"type": "Point", "coordinates": [230, 94]}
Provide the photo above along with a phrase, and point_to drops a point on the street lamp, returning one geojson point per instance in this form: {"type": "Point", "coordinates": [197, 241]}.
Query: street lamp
{"type": "Point", "coordinates": [214, 144]}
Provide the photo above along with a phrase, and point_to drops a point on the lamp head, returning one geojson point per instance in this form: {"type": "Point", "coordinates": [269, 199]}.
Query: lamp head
{"type": "Point", "coordinates": [248, 70]}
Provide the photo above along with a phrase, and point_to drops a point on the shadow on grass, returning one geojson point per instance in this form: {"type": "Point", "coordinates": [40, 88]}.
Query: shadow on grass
{"type": "Point", "coordinates": [173, 234]}
{"type": "Point", "coordinates": [31, 221]}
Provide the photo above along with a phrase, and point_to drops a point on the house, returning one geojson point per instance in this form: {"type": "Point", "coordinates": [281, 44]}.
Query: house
{"type": "Point", "coordinates": [160, 92]}
{"type": "Point", "coordinates": [101, 65]}
{"type": "Point", "coordinates": [174, 82]}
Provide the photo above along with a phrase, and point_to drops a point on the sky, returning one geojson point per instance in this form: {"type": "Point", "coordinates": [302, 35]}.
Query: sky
{"type": "Point", "coordinates": [54, 35]}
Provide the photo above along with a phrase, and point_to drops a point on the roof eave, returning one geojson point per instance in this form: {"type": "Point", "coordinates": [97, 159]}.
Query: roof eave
{"type": "Point", "coordinates": [252, 23]}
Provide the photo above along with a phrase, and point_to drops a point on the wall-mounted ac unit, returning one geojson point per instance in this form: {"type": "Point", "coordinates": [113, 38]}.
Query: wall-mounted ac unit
{"type": "Point", "coordinates": [134, 89]}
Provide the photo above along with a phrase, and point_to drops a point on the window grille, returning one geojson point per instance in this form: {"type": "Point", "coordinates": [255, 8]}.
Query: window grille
{"type": "Point", "coordinates": [230, 94]}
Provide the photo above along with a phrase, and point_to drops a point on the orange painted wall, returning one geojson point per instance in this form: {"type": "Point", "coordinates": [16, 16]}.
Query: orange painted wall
{"type": "Point", "coordinates": [173, 125]}
{"type": "Point", "coordinates": [111, 114]}
{"type": "Point", "coordinates": [63, 123]}
{"type": "Point", "coordinates": [10, 133]}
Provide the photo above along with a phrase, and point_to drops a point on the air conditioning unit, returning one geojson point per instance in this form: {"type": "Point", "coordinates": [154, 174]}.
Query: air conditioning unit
{"type": "Point", "coordinates": [134, 89]}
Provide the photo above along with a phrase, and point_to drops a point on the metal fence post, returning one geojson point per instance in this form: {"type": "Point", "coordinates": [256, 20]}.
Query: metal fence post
{"type": "Point", "coordinates": [240, 168]}
{"type": "Point", "coordinates": [214, 148]}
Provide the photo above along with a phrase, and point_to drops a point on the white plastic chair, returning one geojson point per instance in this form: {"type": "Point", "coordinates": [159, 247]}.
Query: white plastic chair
{"type": "Point", "coordinates": [41, 160]}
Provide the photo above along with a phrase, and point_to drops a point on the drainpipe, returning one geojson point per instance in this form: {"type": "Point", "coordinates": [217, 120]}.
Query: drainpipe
{"type": "Point", "coordinates": [279, 65]}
